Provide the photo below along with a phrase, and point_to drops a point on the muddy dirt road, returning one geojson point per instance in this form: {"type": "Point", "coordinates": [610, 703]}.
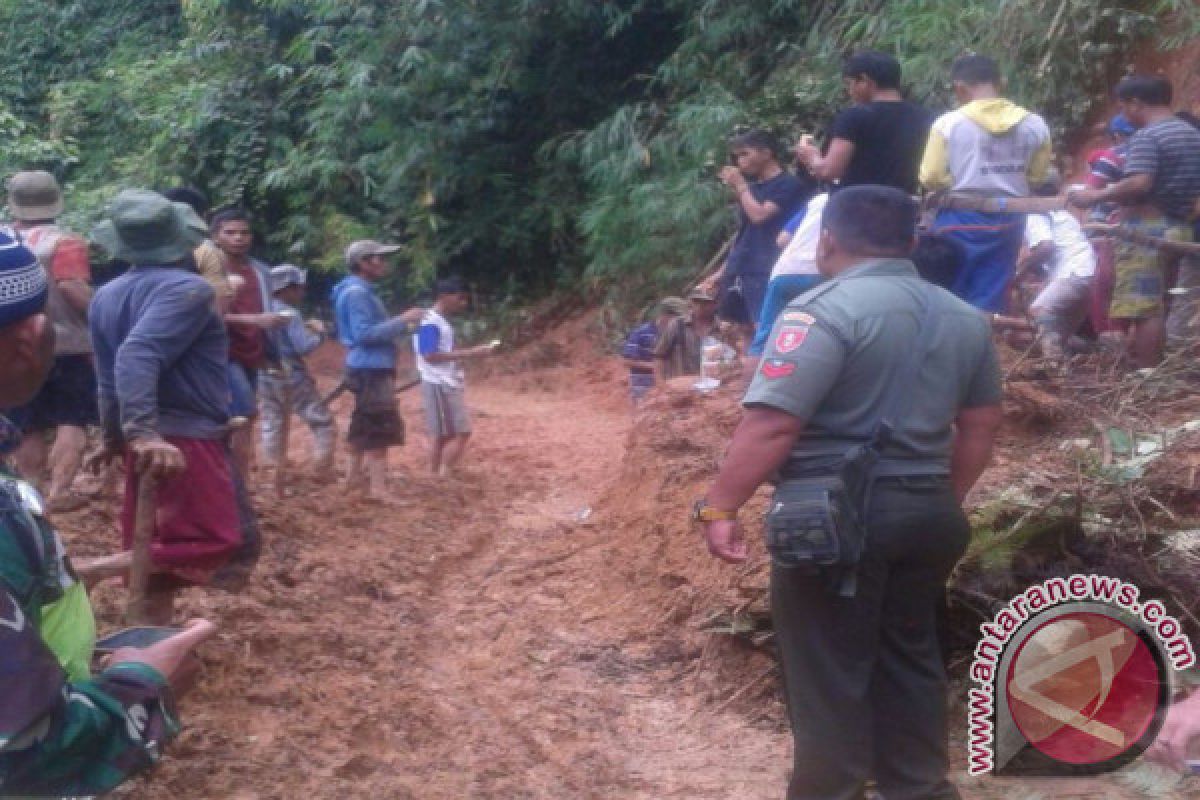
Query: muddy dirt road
{"type": "Point", "coordinates": [465, 641]}
{"type": "Point", "coordinates": [488, 637]}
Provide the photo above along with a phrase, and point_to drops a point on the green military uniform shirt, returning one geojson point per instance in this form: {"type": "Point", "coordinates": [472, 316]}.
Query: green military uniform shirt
{"type": "Point", "coordinates": [832, 357]}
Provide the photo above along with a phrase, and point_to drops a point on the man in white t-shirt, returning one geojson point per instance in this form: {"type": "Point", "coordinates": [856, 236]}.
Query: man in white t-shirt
{"type": "Point", "coordinates": [1056, 243]}
{"type": "Point", "coordinates": [442, 378]}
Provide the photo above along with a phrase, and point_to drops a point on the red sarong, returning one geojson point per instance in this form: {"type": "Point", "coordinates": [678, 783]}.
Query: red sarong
{"type": "Point", "coordinates": [198, 523]}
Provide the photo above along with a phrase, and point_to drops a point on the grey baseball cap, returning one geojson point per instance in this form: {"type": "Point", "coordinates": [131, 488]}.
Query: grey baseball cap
{"type": "Point", "coordinates": [286, 275]}
{"type": "Point", "coordinates": [675, 306]}
{"type": "Point", "coordinates": [359, 250]}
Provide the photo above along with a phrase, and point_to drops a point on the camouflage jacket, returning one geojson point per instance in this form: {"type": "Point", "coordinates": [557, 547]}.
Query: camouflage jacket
{"type": "Point", "coordinates": [57, 736]}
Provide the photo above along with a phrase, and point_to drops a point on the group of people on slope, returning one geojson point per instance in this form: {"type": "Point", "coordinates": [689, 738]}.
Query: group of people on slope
{"type": "Point", "coordinates": [1027, 270]}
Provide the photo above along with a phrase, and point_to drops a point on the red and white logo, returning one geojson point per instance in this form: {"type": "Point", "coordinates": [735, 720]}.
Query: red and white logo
{"type": "Point", "coordinates": [1071, 677]}
{"type": "Point", "coordinates": [1084, 688]}
{"type": "Point", "coordinates": [790, 337]}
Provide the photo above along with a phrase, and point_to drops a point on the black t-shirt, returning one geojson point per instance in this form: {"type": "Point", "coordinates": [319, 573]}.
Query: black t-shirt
{"type": "Point", "coordinates": [889, 141]}
{"type": "Point", "coordinates": [754, 251]}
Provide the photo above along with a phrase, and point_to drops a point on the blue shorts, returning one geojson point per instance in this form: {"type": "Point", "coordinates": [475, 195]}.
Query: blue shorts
{"type": "Point", "coordinates": [780, 291]}
{"type": "Point", "coordinates": [991, 243]}
{"type": "Point", "coordinates": [243, 389]}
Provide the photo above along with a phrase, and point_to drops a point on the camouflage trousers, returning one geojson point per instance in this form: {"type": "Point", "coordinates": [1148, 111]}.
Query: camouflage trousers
{"type": "Point", "coordinates": [275, 393]}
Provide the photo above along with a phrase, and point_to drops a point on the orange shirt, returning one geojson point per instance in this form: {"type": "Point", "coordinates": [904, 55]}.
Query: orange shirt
{"type": "Point", "coordinates": [70, 261]}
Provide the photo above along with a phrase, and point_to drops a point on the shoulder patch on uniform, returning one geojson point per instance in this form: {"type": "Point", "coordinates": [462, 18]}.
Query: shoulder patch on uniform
{"type": "Point", "coordinates": [773, 368]}
{"type": "Point", "coordinates": [790, 337]}
{"type": "Point", "coordinates": [798, 317]}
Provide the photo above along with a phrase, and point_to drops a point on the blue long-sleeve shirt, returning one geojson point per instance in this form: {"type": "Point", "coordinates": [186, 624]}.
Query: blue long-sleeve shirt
{"type": "Point", "coordinates": [161, 355]}
{"type": "Point", "coordinates": [364, 327]}
{"type": "Point", "coordinates": [294, 341]}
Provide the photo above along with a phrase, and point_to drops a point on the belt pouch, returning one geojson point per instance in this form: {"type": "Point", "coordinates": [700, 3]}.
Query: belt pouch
{"type": "Point", "coordinates": [814, 522]}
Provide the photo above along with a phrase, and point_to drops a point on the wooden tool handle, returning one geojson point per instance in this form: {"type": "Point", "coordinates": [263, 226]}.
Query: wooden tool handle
{"type": "Point", "coordinates": [143, 532]}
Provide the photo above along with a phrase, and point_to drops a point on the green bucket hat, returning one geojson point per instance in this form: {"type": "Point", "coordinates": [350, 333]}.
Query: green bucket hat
{"type": "Point", "coordinates": [143, 227]}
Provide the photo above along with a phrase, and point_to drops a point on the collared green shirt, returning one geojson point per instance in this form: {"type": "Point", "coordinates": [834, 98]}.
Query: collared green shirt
{"type": "Point", "coordinates": [835, 351]}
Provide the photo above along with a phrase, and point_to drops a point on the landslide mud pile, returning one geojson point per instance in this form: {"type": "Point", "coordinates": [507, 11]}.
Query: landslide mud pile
{"type": "Point", "coordinates": [674, 446]}
{"type": "Point", "coordinates": [1095, 471]}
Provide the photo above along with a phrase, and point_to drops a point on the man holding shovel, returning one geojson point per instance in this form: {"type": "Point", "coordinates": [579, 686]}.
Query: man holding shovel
{"type": "Point", "coordinates": [161, 352]}
{"type": "Point", "coordinates": [63, 730]}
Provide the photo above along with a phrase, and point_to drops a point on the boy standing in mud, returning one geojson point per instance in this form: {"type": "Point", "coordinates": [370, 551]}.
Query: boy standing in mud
{"type": "Point", "coordinates": [289, 388]}
{"type": "Point", "coordinates": [442, 377]}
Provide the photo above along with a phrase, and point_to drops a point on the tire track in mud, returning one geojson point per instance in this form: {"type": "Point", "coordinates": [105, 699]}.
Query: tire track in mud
{"type": "Point", "coordinates": [537, 693]}
{"type": "Point", "coordinates": [509, 727]}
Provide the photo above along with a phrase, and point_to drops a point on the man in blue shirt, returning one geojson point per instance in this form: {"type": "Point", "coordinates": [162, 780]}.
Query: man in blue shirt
{"type": "Point", "coordinates": [638, 350]}
{"type": "Point", "coordinates": [161, 358]}
{"type": "Point", "coordinates": [767, 197]}
{"type": "Point", "coordinates": [369, 336]}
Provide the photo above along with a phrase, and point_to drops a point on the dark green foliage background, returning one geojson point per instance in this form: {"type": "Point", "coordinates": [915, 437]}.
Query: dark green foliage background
{"type": "Point", "coordinates": [534, 146]}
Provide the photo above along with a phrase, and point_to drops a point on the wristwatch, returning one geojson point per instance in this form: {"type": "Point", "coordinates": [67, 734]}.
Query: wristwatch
{"type": "Point", "coordinates": [703, 512]}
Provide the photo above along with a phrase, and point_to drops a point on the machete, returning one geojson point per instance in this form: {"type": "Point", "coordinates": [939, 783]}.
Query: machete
{"type": "Point", "coordinates": [342, 386]}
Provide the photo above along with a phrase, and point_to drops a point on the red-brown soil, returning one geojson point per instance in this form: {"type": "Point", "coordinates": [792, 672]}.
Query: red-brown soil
{"type": "Point", "coordinates": [535, 628]}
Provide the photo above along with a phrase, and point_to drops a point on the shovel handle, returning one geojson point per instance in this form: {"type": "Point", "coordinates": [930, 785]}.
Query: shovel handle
{"type": "Point", "coordinates": [285, 433]}
{"type": "Point", "coordinates": [143, 531]}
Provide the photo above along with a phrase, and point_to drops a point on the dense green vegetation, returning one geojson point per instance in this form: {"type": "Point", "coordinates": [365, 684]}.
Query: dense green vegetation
{"type": "Point", "coordinates": [532, 145]}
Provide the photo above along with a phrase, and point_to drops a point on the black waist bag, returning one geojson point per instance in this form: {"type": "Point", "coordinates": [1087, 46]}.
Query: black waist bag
{"type": "Point", "coordinates": [814, 522]}
{"type": "Point", "coordinates": [817, 519]}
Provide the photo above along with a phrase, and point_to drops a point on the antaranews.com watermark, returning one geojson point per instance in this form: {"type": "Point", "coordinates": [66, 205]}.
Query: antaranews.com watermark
{"type": "Point", "coordinates": [1071, 677]}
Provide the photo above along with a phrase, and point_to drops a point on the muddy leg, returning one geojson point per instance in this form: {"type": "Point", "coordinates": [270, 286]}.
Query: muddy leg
{"type": "Point", "coordinates": [30, 457]}
{"type": "Point", "coordinates": [1147, 338]}
{"type": "Point", "coordinates": [453, 451]}
{"type": "Point", "coordinates": [65, 458]}
{"type": "Point", "coordinates": [377, 472]}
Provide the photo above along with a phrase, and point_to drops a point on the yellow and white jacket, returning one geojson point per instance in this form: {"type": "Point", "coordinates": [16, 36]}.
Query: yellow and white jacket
{"type": "Point", "coordinates": [991, 147]}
